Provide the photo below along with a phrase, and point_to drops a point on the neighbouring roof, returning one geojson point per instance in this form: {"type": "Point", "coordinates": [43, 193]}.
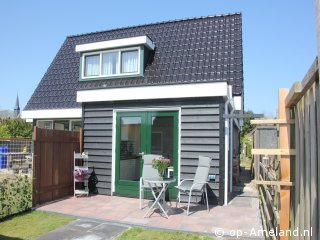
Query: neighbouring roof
{"type": "Point", "coordinates": [205, 49]}
{"type": "Point", "coordinates": [6, 114]}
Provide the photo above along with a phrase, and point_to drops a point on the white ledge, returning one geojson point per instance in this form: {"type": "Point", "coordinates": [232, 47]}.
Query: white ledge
{"type": "Point", "coordinates": [52, 114]}
{"type": "Point", "coordinates": [123, 42]}
{"type": "Point", "coordinates": [154, 92]}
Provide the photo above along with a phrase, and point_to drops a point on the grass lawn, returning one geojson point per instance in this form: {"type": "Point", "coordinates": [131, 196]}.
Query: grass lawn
{"type": "Point", "coordinates": [31, 225]}
{"type": "Point", "coordinates": [146, 234]}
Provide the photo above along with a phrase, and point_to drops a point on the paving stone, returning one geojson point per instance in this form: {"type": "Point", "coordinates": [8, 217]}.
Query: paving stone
{"type": "Point", "coordinates": [82, 229]}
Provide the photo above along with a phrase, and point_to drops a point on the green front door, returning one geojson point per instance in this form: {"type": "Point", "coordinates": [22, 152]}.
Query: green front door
{"type": "Point", "coordinates": [139, 133]}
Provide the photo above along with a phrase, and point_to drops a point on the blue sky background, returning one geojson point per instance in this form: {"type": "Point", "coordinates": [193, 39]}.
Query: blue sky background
{"type": "Point", "coordinates": [279, 38]}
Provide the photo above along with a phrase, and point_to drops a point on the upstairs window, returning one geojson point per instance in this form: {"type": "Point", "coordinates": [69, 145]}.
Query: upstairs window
{"type": "Point", "coordinates": [129, 61]}
{"type": "Point", "coordinates": [122, 57]}
{"type": "Point", "coordinates": [119, 62]}
{"type": "Point", "coordinates": [92, 65]}
{"type": "Point", "coordinates": [110, 63]}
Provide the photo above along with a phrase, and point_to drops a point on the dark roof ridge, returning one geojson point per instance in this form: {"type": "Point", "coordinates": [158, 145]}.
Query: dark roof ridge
{"type": "Point", "coordinates": [156, 23]}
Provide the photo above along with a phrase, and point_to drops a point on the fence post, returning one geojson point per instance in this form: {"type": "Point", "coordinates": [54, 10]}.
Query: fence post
{"type": "Point", "coordinates": [284, 143]}
{"type": "Point", "coordinates": [35, 168]}
{"type": "Point", "coordinates": [81, 139]}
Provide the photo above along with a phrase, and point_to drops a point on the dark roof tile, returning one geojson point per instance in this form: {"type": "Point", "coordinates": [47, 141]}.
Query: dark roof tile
{"type": "Point", "coordinates": [205, 49]}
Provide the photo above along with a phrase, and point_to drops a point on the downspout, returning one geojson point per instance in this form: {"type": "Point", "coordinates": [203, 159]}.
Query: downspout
{"type": "Point", "coordinates": [226, 144]}
{"type": "Point", "coordinates": [231, 151]}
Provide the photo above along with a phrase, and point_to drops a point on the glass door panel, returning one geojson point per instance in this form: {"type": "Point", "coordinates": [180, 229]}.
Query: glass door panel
{"type": "Point", "coordinates": [130, 129]}
{"type": "Point", "coordinates": [164, 141]}
{"type": "Point", "coordinates": [162, 133]}
{"type": "Point", "coordinates": [130, 148]}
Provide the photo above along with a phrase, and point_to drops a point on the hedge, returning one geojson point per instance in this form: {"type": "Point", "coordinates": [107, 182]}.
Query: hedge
{"type": "Point", "coordinates": [15, 194]}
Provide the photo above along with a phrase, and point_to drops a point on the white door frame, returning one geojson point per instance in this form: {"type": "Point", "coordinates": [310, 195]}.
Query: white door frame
{"type": "Point", "coordinates": [156, 109]}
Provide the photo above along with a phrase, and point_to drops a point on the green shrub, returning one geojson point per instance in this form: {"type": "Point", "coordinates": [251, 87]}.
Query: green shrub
{"type": "Point", "coordinates": [15, 194]}
{"type": "Point", "coordinates": [15, 128]}
{"type": "Point", "coordinates": [247, 141]}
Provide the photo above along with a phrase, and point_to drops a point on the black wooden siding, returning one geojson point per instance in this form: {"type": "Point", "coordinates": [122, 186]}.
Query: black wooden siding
{"type": "Point", "coordinates": [201, 134]}
{"type": "Point", "coordinates": [97, 125]}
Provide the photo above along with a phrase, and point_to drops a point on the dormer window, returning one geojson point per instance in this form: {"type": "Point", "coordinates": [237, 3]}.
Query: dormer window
{"type": "Point", "coordinates": [111, 63]}
{"type": "Point", "coordinates": [102, 60]}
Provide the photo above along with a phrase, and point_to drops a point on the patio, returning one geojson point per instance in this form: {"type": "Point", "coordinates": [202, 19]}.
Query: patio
{"type": "Point", "coordinates": [241, 214]}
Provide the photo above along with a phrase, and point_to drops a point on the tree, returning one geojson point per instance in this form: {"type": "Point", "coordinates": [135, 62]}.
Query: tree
{"type": "Point", "coordinates": [247, 126]}
{"type": "Point", "coordinates": [15, 128]}
{"type": "Point", "coordinates": [245, 139]}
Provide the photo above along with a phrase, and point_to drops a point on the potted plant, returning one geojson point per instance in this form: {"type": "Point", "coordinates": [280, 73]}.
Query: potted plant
{"type": "Point", "coordinates": [80, 173]}
{"type": "Point", "coordinates": [161, 164]}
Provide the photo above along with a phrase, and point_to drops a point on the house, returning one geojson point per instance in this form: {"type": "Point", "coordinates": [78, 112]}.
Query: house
{"type": "Point", "coordinates": [158, 88]}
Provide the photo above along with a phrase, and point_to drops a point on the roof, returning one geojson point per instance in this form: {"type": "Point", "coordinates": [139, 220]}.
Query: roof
{"type": "Point", "coordinates": [205, 49]}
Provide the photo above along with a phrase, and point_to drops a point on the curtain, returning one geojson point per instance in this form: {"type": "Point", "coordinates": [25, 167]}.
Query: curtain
{"type": "Point", "coordinates": [129, 61]}
{"type": "Point", "coordinates": [110, 63]}
{"type": "Point", "coordinates": [92, 65]}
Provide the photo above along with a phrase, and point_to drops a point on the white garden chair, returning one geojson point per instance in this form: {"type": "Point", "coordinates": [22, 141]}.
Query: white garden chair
{"type": "Point", "coordinates": [199, 183]}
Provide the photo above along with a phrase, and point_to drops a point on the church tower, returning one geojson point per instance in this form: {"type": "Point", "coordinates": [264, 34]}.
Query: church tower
{"type": "Point", "coordinates": [16, 111]}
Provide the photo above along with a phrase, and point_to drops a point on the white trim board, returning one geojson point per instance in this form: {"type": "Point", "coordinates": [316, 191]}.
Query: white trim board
{"type": "Point", "coordinates": [154, 92]}
{"type": "Point", "coordinates": [237, 101]}
{"type": "Point", "coordinates": [52, 114]}
{"type": "Point", "coordinates": [117, 43]}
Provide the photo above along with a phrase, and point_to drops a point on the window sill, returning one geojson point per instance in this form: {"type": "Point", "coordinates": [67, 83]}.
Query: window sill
{"type": "Point", "coordinates": [110, 77]}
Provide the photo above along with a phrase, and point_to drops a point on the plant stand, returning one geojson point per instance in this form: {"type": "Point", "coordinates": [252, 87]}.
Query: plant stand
{"type": "Point", "coordinates": [81, 183]}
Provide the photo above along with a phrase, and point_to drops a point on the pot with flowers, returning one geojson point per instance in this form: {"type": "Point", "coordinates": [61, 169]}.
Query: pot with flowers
{"type": "Point", "coordinates": [161, 164]}
{"type": "Point", "coordinates": [80, 173]}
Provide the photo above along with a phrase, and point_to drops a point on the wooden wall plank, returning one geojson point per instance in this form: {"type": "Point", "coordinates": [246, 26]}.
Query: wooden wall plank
{"type": "Point", "coordinates": [262, 151]}
{"type": "Point", "coordinates": [271, 121]}
{"type": "Point", "coordinates": [317, 92]}
{"type": "Point", "coordinates": [301, 164]}
{"type": "Point", "coordinates": [313, 164]}
{"type": "Point", "coordinates": [284, 138]}
{"type": "Point", "coordinates": [297, 171]}
{"type": "Point", "coordinates": [308, 160]}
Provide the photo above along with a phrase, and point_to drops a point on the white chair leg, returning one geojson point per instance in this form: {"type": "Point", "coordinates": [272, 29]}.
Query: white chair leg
{"type": "Point", "coordinates": [140, 197]}
{"type": "Point", "coordinates": [190, 193]}
{"type": "Point", "coordinates": [142, 200]}
{"type": "Point", "coordinates": [205, 190]}
{"type": "Point", "coordinates": [178, 200]}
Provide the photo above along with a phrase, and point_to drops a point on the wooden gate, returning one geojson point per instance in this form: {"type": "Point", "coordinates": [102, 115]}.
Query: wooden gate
{"type": "Point", "coordinates": [53, 164]}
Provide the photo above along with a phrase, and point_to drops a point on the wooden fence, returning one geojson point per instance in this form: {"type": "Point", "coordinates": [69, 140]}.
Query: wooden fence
{"type": "Point", "coordinates": [274, 178]}
{"type": "Point", "coordinates": [303, 101]}
{"type": "Point", "coordinates": [53, 164]}
{"type": "Point", "coordinates": [295, 201]}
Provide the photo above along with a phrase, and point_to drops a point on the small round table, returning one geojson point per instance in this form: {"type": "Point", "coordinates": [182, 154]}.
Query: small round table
{"type": "Point", "coordinates": [160, 199]}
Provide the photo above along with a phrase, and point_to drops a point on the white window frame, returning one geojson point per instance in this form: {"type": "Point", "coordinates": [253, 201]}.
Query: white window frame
{"type": "Point", "coordinates": [52, 125]}
{"type": "Point", "coordinates": [53, 121]}
{"type": "Point", "coordinates": [71, 121]}
{"type": "Point", "coordinates": [120, 50]}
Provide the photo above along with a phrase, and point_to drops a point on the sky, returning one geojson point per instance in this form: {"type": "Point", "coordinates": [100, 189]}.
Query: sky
{"type": "Point", "coordinates": [279, 39]}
